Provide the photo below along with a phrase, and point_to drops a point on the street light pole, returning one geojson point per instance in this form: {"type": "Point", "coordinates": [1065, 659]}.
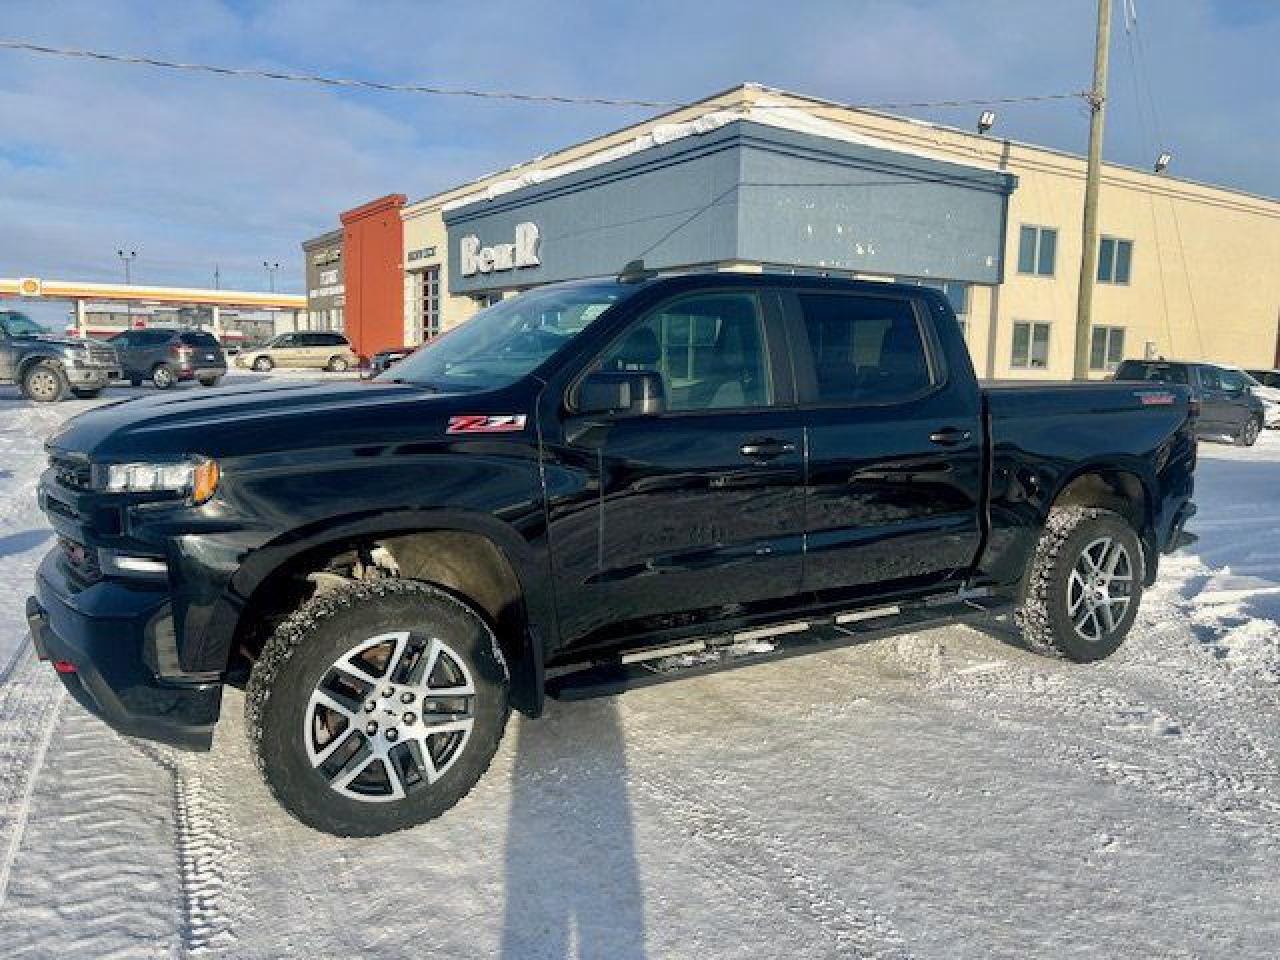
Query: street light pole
{"type": "Point", "coordinates": [127, 259]}
{"type": "Point", "coordinates": [1089, 255]}
{"type": "Point", "coordinates": [271, 269]}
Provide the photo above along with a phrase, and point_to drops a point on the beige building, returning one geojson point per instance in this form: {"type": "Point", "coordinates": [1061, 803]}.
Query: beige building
{"type": "Point", "coordinates": [1185, 269]}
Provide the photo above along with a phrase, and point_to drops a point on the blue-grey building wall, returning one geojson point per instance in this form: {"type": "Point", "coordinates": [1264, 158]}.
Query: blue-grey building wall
{"type": "Point", "coordinates": [748, 192]}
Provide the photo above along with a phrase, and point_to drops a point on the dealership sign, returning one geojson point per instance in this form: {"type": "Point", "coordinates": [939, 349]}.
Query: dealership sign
{"type": "Point", "coordinates": [501, 256]}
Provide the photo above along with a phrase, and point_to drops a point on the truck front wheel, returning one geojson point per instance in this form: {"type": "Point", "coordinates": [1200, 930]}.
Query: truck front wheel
{"type": "Point", "coordinates": [44, 382]}
{"type": "Point", "coordinates": [1082, 592]}
{"type": "Point", "coordinates": [377, 706]}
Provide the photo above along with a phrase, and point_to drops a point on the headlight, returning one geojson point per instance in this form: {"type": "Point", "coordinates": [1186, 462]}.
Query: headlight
{"type": "Point", "coordinates": [197, 478]}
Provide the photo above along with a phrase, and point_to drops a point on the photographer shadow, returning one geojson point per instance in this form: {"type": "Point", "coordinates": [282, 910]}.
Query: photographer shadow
{"type": "Point", "coordinates": [572, 880]}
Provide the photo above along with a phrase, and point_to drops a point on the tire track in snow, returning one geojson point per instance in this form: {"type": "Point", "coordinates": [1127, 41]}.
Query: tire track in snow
{"type": "Point", "coordinates": [29, 706]}
{"type": "Point", "coordinates": [749, 852]}
{"type": "Point", "coordinates": [206, 853]}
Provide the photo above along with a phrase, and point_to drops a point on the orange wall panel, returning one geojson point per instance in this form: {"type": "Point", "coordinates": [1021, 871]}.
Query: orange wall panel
{"type": "Point", "coordinates": [373, 258]}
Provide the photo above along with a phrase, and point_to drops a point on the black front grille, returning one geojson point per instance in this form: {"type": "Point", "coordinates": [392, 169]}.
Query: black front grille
{"type": "Point", "coordinates": [72, 474]}
{"type": "Point", "coordinates": [82, 561]}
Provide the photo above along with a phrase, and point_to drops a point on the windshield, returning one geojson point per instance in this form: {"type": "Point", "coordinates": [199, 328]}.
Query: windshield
{"type": "Point", "coordinates": [20, 325]}
{"type": "Point", "coordinates": [508, 340]}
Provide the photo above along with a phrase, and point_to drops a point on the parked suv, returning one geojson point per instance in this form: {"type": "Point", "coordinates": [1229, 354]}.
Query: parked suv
{"type": "Point", "coordinates": [323, 351]}
{"type": "Point", "coordinates": [165, 356]}
{"type": "Point", "coordinates": [589, 487]}
{"type": "Point", "coordinates": [48, 368]}
{"type": "Point", "coordinates": [1227, 404]}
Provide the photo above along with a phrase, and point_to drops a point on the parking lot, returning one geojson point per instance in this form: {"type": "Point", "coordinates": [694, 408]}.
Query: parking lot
{"type": "Point", "coordinates": [938, 795]}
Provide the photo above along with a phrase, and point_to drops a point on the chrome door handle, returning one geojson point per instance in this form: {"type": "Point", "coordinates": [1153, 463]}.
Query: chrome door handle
{"type": "Point", "coordinates": [766, 448]}
{"type": "Point", "coordinates": [950, 436]}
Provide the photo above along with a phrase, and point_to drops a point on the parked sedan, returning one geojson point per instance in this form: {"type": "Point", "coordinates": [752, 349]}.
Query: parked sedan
{"type": "Point", "coordinates": [166, 356]}
{"type": "Point", "coordinates": [318, 350]}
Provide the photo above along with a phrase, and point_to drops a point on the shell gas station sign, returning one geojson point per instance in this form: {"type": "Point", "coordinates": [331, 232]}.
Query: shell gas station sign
{"type": "Point", "coordinates": [30, 287]}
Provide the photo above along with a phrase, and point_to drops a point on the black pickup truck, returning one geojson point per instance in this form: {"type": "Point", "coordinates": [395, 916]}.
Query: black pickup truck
{"type": "Point", "coordinates": [585, 488]}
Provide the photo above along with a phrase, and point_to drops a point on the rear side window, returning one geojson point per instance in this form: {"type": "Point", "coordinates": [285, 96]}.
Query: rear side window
{"type": "Point", "coordinates": [1156, 372]}
{"type": "Point", "coordinates": [865, 349]}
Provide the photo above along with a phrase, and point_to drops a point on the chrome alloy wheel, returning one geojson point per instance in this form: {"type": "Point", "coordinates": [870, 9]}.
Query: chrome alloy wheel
{"type": "Point", "coordinates": [1100, 588]}
{"type": "Point", "coordinates": [390, 716]}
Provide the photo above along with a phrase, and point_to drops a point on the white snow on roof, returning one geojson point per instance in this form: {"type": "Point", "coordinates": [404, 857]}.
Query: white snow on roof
{"type": "Point", "coordinates": [767, 111]}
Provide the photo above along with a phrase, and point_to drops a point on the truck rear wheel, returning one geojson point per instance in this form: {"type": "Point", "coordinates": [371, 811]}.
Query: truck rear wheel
{"type": "Point", "coordinates": [44, 382]}
{"type": "Point", "coordinates": [1082, 592]}
{"type": "Point", "coordinates": [1248, 434]}
{"type": "Point", "coordinates": [377, 706]}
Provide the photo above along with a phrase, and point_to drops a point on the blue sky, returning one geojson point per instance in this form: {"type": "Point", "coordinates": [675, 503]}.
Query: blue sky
{"type": "Point", "coordinates": [194, 171]}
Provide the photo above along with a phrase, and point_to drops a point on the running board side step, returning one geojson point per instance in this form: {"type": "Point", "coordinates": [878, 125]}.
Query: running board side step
{"type": "Point", "coordinates": [659, 664]}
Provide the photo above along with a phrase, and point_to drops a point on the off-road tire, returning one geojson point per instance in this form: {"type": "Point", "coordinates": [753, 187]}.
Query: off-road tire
{"type": "Point", "coordinates": [304, 647]}
{"type": "Point", "coordinates": [1043, 616]}
{"type": "Point", "coordinates": [338, 365]}
{"type": "Point", "coordinates": [44, 382]}
{"type": "Point", "coordinates": [209, 381]}
{"type": "Point", "coordinates": [88, 394]}
{"type": "Point", "coordinates": [1249, 433]}
{"type": "Point", "coordinates": [263, 364]}
{"type": "Point", "coordinates": [164, 377]}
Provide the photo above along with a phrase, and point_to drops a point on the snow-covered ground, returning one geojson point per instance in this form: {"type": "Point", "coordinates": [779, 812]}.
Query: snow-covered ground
{"type": "Point", "coordinates": [941, 795]}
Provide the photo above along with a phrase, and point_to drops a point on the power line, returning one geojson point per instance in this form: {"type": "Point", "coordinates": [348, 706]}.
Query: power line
{"type": "Point", "coordinates": [415, 88]}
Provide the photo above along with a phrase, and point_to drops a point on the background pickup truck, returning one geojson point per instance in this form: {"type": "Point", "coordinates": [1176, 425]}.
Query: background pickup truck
{"type": "Point", "coordinates": [49, 368]}
{"type": "Point", "coordinates": [586, 487]}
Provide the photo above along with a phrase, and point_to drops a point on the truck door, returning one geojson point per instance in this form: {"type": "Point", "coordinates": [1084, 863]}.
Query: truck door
{"type": "Point", "coordinates": [895, 442]}
{"type": "Point", "coordinates": [693, 511]}
{"type": "Point", "coordinates": [1217, 411]}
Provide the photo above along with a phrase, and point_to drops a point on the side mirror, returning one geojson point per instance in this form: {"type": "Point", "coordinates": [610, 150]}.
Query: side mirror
{"type": "Point", "coordinates": [635, 392]}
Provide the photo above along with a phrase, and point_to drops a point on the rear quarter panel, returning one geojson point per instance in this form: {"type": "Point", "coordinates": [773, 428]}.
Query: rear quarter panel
{"type": "Point", "coordinates": [1043, 437]}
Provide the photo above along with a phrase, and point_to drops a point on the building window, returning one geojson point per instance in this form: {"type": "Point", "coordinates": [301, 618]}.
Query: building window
{"type": "Point", "coordinates": [426, 304]}
{"type": "Point", "coordinates": [1037, 251]}
{"type": "Point", "coordinates": [1106, 348]}
{"type": "Point", "coordinates": [1030, 345]}
{"type": "Point", "coordinates": [1114, 259]}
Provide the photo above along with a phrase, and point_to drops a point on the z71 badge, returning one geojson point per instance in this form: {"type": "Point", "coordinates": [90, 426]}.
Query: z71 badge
{"type": "Point", "coordinates": [486, 423]}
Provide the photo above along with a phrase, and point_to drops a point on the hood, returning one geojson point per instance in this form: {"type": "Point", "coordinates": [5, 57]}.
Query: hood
{"type": "Point", "coordinates": [260, 418]}
{"type": "Point", "coordinates": [1269, 394]}
{"type": "Point", "coordinates": [56, 341]}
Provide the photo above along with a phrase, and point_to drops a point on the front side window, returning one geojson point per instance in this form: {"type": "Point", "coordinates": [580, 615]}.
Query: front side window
{"type": "Point", "coordinates": [865, 349]}
{"type": "Point", "coordinates": [1030, 345]}
{"type": "Point", "coordinates": [20, 325]}
{"type": "Point", "coordinates": [505, 342]}
{"type": "Point", "coordinates": [1037, 251]}
{"type": "Point", "coordinates": [1115, 258]}
{"type": "Point", "coordinates": [1233, 381]}
{"type": "Point", "coordinates": [709, 349]}
{"type": "Point", "coordinates": [1106, 348]}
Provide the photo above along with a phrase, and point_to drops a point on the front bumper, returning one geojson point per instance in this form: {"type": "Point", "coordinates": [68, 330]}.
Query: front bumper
{"type": "Point", "coordinates": [111, 637]}
{"type": "Point", "coordinates": [91, 378]}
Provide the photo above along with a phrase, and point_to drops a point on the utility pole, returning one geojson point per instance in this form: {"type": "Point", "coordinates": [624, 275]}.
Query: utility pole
{"type": "Point", "coordinates": [217, 278]}
{"type": "Point", "coordinates": [1089, 254]}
